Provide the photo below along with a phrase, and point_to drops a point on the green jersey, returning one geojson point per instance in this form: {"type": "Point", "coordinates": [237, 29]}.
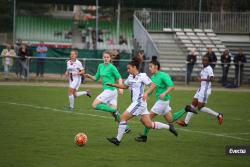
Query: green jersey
{"type": "Point", "coordinates": [162, 81]}
{"type": "Point", "coordinates": [108, 73]}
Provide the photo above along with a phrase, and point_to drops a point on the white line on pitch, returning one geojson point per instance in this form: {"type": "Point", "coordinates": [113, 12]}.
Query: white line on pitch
{"type": "Point", "coordinates": [100, 116]}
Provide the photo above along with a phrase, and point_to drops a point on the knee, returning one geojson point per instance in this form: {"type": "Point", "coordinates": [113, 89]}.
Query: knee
{"type": "Point", "coordinates": [94, 105]}
{"type": "Point", "coordinates": [148, 125]}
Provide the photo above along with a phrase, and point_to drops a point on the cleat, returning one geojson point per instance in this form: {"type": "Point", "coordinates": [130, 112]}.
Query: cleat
{"type": "Point", "coordinates": [181, 123]}
{"type": "Point", "coordinates": [127, 130]}
{"type": "Point", "coordinates": [172, 129]}
{"type": "Point", "coordinates": [188, 108]}
{"type": "Point", "coordinates": [71, 109]}
{"type": "Point", "coordinates": [114, 141]}
{"type": "Point", "coordinates": [141, 138]}
{"type": "Point", "coordinates": [88, 94]}
{"type": "Point", "coordinates": [116, 115]}
{"type": "Point", "coordinates": [220, 118]}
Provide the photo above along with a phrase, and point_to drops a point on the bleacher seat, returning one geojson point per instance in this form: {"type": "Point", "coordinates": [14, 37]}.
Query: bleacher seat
{"type": "Point", "coordinates": [198, 30]}
{"type": "Point", "coordinates": [167, 29]}
{"type": "Point", "coordinates": [187, 30]}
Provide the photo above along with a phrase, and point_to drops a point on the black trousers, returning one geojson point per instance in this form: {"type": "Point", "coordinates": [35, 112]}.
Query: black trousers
{"type": "Point", "coordinates": [225, 70]}
{"type": "Point", "coordinates": [189, 72]}
{"type": "Point", "coordinates": [40, 67]}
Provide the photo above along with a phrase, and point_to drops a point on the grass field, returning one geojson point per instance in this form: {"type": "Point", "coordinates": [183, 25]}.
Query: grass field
{"type": "Point", "coordinates": [36, 130]}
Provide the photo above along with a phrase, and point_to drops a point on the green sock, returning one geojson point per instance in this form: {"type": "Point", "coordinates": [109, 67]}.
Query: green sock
{"type": "Point", "coordinates": [105, 107]}
{"type": "Point", "coordinates": [146, 131]}
{"type": "Point", "coordinates": [178, 115]}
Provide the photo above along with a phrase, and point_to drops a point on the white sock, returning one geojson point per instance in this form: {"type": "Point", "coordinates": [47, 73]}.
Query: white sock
{"type": "Point", "coordinates": [188, 117]}
{"type": "Point", "coordinates": [71, 101]}
{"type": "Point", "coordinates": [121, 130]}
{"type": "Point", "coordinates": [209, 111]}
{"type": "Point", "coordinates": [159, 125]}
{"type": "Point", "coordinates": [81, 93]}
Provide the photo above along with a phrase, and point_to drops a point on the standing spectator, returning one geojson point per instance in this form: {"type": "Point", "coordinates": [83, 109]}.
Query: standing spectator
{"type": "Point", "coordinates": [7, 60]}
{"type": "Point", "coordinates": [225, 60]}
{"type": "Point", "coordinates": [142, 58]}
{"type": "Point", "coordinates": [239, 61]}
{"type": "Point", "coordinates": [212, 58]}
{"type": "Point", "coordinates": [191, 60]}
{"type": "Point", "coordinates": [18, 66]}
{"type": "Point", "coordinates": [115, 58]}
{"type": "Point", "coordinates": [23, 55]}
{"type": "Point", "coordinates": [41, 54]}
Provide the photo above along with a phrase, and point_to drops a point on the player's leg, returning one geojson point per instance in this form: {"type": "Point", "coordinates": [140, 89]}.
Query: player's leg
{"type": "Point", "coordinates": [202, 108]}
{"type": "Point", "coordinates": [121, 129]}
{"type": "Point", "coordinates": [71, 93]}
{"type": "Point", "coordinates": [83, 93]}
{"type": "Point", "coordinates": [101, 101]}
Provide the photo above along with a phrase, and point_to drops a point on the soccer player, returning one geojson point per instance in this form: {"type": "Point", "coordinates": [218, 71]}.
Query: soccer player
{"type": "Point", "coordinates": [138, 107]}
{"type": "Point", "coordinates": [202, 94]}
{"type": "Point", "coordinates": [107, 100]}
{"type": "Point", "coordinates": [163, 87]}
{"type": "Point", "coordinates": [74, 72]}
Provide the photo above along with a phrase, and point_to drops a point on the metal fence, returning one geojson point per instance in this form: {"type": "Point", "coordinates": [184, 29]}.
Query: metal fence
{"type": "Point", "coordinates": [226, 22]}
{"type": "Point", "coordinates": [54, 69]}
{"type": "Point", "coordinates": [143, 41]}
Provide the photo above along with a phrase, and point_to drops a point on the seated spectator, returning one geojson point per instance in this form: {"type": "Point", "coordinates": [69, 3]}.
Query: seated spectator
{"type": "Point", "coordinates": [122, 40]}
{"type": "Point", "coordinates": [8, 53]}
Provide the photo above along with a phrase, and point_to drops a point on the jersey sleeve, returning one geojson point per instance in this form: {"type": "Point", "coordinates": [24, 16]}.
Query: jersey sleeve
{"type": "Point", "coordinates": [97, 75]}
{"type": "Point", "coordinates": [210, 72]}
{"type": "Point", "coordinates": [126, 82]}
{"type": "Point", "coordinates": [80, 66]}
{"type": "Point", "coordinates": [145, 79]}
{"type": "Point", "coordinates": [116, 72]}
{"type": "Point", "coordinates": [167, 80]}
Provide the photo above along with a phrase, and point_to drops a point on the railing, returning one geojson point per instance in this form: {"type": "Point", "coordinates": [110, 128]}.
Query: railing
{"type": "Point", "coordinates": [54, 69]}
{"type": "Point", "coordinates": [144, 40]}
{"type": "Point", "coordinates": [226, 22]}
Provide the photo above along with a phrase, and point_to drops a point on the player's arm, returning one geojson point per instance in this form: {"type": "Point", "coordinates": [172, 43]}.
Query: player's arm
{"type": "Point", "coordinates": [90, 77]}
{"type": "Point", "coordinates": [210, 79]}
{"type": "Point", "coordinates": [120, 83]}
{"type": "Point", "coordinates": [149, 90]}
{"type": "Point", "coordinates": [168, 90]}
{"type": "Point", "coordinates": [168, 81]}
{"type": "Point", "coordinates": [120, 86]}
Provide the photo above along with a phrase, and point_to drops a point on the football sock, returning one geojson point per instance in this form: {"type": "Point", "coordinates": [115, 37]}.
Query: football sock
{"type": "Point", "coordinates": [178, 114]}
{"type": "Point", "coordinates": [105, 107]}
{"type": "Point", "coordinates": [81, 93]}
{"type": "Point", "coordinates": [159, 125]}
{"type": "Point", "coordinates": [71, 101]}
{"type": "Point", "coordinates": [209, 111]}
{"type": "Point", "coordinates": [188, 117]}
{"type": "Point", "coordinates": [146, 131]}
{"type": "Point", "coordinates": [121, 130]}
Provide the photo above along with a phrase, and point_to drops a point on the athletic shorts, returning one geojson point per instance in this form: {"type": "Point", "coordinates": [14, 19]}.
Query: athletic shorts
{"type": "Point", "coordinates": [138, 108]}
{"type": "Point", "coordinates": [161, 107]}
{"type": "Point", "coordinates": [75, 83]}
{"type": "Point", "coordinates": [108, 97]}
{"type": "Point", "coordinates": [202, 95]}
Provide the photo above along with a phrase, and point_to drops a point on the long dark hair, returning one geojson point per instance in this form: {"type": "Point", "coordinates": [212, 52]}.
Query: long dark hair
{"type": "Point", "coordinates": [135, 62]}
{"type": "Point", "coordinates": [155, 62]}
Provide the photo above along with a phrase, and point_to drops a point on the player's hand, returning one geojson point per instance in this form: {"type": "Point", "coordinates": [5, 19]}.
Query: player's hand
{"type": "Point", "coordinates": [109, 84]}
{"type": "Point", "coordinates": [145, 96]}
{"type": "Point", "coordinates": [120, 91]}
{"type": "Point", "coordinates": [66, 74]}
{"type": "Point", "coordinates": [87, 75]}
{"type": "Point", "coordinates": [198, 79]}
{"type": "Point", "coordinates": [162, 96]}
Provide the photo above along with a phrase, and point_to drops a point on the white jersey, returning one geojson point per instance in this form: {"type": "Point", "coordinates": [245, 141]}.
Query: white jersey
{"type": "Point", "coordinates": [73, 68]}
{"type": "Point", "coordinates": [136, 85]}
{"type": "Point", "coordinates": [206, 73]}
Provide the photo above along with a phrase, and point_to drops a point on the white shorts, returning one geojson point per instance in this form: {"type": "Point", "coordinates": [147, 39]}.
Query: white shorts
{"type": "Point", "coordinates": [108, 97]}
{"type": "Point", "coordinates": [138, 109]}
{"type": "Point", "coordinates": [75, 84]}
{"type": "Point", "coordinates": [202, 95]}
{"type": "Point", "coordinates": [161, 107]}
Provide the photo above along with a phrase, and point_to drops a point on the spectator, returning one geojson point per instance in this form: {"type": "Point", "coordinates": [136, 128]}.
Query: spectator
{"type": "Point", "coordinates": [225, 63]}
{"type": "Point", "coordinates": [41, 54]}
{"type": "Point", "coordinates": [239, 61]}
{"type": "Point", "coordinates": [23, 55]}
{"type": "Point", "coordinates": [191, 60]}
{"type": "Point", "coordinates": [142, 57]}
{"type": "Point", "coordinates": [7, 60]}
{"type": "Point", "coordinates": [115, 58]}
{"type": "Point", "coordinates": [212, 57]}
{"type": "Point", "coordinates": [18, 66]}
{"type": "Point", "coordinates": [122, 40]}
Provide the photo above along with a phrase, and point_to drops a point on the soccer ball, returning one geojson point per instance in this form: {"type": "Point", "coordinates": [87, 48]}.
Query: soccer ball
{"type": "Point", "coordinates": [81, 139]}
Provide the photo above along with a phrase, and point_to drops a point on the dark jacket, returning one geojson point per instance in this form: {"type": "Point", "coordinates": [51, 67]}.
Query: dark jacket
{"type": "Point", "coordinates": [191, 59]}
{"type": "Point", "coordinates": [225, 58]}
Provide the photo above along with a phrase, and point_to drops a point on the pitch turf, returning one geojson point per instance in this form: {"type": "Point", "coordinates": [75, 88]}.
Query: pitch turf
{"type": "Point", "coordinates": [35, 130]}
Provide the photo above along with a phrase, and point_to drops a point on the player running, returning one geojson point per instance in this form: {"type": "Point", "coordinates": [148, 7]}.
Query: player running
{"type": "Point", "coordinates": [163, 87]}
{"type": "Point", "coordinates": [138, 107]}
{"type": "Point", "coordinates": [107, 100]}
{"type": "Point", "coordinates": [74, 74]}
{"type": "Point", "coordinates": [202, 94]}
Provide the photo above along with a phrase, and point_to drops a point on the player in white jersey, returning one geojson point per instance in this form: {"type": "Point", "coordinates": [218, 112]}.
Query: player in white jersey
{"type": "Point", "coordinates": [74, 73]}
{"type": "Point", "coordinates": [202, 94]}
{"type": "Point", "coordinates": [138, 107]}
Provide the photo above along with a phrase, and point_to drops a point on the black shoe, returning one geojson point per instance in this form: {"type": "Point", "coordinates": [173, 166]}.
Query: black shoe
{"type": "Point", "coordinates": [172, 129]}
{"type": "Point", "coordinates": [88, 94]}
{"type": "Point", "coordinates": [127, 130]}
{"type": "Point", "coordinates": [188, 108]}
{"type": "Point", "coordinates": [116, 115]}
{"type": "Point", "coordinates": [114, 141]}
{"type": "Point", "coordinates": [141, 138]}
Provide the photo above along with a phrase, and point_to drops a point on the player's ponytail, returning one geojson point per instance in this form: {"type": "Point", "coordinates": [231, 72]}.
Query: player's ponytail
{"type": "Point", "coordinates": [155, 62]}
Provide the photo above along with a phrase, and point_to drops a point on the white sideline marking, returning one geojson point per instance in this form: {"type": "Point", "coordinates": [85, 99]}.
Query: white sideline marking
{"type": "Point", "coordinates": [100, 116]}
